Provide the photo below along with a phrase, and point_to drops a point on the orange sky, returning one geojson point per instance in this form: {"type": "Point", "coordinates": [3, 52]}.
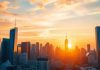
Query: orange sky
{"type": "Point", "coordinates": [50, 20]}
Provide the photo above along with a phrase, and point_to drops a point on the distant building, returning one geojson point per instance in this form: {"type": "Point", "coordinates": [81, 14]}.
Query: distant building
{"type": "Point", "coordinates": [5, 50]}
{"type": "Point", "coordinates": [98, 44]}
{"type": "Point", "coordinates": [66, 44]}
{"type": "Point", "coordinates": [32, 52]}
{"type": "Point", "coordinates": [37, 49]}
{"type": "Point", "coordinates": [43, 52]}
{"type": "Point", "coordinates": [92, 59]}
{"type": "Point", "coordinates": [25, 48]}
{"type": "Point", "coordinates": [13, 42]}
{"type": "Point", "coordinates": [42, 64]}
{"type": "Point", "coordinates": [83, 58]}
{"type": "Point", "coordinates": [88, 48]}
{"type": "Point", "coordinates": [23, 58]}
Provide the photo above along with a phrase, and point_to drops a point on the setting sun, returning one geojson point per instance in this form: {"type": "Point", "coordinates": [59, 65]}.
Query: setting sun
{"type": "Point", "coordinates": [69, 46]}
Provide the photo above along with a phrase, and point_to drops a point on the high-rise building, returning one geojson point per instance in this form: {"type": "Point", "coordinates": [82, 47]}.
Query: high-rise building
{"type": "Point", "coordinates": [42, 64]}
{"type": "Point", "coordinates": [66, 50]}
{"type": "Point", "coordinates": [13, 42]}
{"type": "Point", "coordinates": [23, 58]}
{"type": "Point", "coordinates": [88, 48]}
{"type": "Point", "coordinates": [32, 52]}
{"type": "Point", "coordinates": [66, 44]}
{"type": "Point", "coordinates": [83, 59]}
{"type": "Point", "coordinates": [5, 50]}
{"type": "Point", "coordinates": [25, 48]}
{"type": "Point", "coordinates": [92, 59]}
{"type": "Point", "coordinates": [98, 43]}
{"type": "Point", "coordinates": [37, 47]}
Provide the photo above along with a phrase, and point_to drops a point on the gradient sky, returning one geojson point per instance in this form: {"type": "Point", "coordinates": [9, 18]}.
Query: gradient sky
{"type": "Point", "coordinates": [51, 20]}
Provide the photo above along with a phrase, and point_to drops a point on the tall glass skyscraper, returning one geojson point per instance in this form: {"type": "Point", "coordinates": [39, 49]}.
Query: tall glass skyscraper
{"type": "Point", "coordinates": [5, 50]}
{"type": "Point", "coordinates": [13, 42]}
{"type": "Point", "coordinates": [98, 43]}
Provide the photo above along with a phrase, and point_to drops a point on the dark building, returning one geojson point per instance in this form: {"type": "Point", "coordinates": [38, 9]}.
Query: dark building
{"type": "Point", "coordinates": [25, 48]}
{"type": "Point", "coordinates": [13, 42]}
{"type": "Point", "coordinates": [84, 59]}
{"type": "Point", "coordinates": [98, 44]}
{"type": "Point", "coordinates": [5, 50]}
{"type": "Point", "coordinates": [37, 47]}
{"type": "Point", "coordinates": [88, 48]}
{"type": "Point", "coordinates": [42, 64]}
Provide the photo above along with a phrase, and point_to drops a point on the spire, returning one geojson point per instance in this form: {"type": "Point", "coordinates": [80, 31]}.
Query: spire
{"type": "Point", "coordinates": [66, 35]}
{"type": "Point", "coordinates": [15, 3]}
{"type": "Point", "coordinates": [15, 21]}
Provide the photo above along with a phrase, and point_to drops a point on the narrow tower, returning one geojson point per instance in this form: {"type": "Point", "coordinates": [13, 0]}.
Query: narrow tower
{"type": "Point", "coordinates": [66, 44]}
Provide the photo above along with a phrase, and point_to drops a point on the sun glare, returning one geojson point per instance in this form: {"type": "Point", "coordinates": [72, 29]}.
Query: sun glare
{"type": "Point", "coordinates": [69, 46]}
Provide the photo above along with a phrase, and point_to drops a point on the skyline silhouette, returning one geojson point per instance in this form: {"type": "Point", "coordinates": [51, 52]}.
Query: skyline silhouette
{"type": "Point", "coordinates": [52, 18]}
{"type": "Point", "coordinates": [49, 35]}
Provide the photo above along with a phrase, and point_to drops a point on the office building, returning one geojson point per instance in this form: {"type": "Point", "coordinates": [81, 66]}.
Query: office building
{"type": "Point", "coordinates": [13, 42]}
{"type": "Point", "coordinates": [25, 48]}
{"type": "Point", "coordinates": [5, 50]}
{"type": "Point", "coordinates": [37, 47]}
{"type": "Point", "coordinates": [88, 48]}
{"type": "Point", "coordinates": [32, 52]}
{"type": "Point", "coordinates": [66, 44]}
{"type": "Point", "coordinates": [98, 44]}
{"type": "Point", "coordinates": [42, 64]}
{"type": "Point", "coordinates": [23, 58]}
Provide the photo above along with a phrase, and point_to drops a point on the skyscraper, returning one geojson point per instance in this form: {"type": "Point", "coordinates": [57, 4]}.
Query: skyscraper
{"type": "Point", "coordinates": [5, 49]}
{"type": "Point", "coordinates": [25, 48]}
{"type": "Point", "coordinates": [98, 43]}
{"type": "Point", "coordinates": [13, 42]}
{"type": "Point", "coordinates": [42, 64]}
{"type": "Point", "coordinates": [37, 46]}
{"type": "Point", "coordinates": [88, 48]}
{"type": "Point", "coordinates": [66, 44]}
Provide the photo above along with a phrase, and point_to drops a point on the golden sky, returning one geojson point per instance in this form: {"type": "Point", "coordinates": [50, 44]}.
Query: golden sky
{"type": "Point", "coordinates": [50, 20]}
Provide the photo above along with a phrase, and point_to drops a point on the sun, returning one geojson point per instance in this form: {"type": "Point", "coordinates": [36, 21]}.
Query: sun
{"type": "Point", "coordinates": [69, 46]}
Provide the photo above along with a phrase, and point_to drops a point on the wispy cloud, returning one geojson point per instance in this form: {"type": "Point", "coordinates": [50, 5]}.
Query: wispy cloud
{"type": "Point", "coordinates": [4, 5]}
{"type": "Point", "coordinates": [38, 16]}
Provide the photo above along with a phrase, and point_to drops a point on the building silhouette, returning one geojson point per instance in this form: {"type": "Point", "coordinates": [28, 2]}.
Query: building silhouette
{"type": "Point", "coordinates": [66, 44]}
{"type": "Point", "coordinates": [42, 64]}
{"type": "Point", "coordinates": [25, 48]}
{"type": "Point", "coordinates": [13, 42]}
{"type": "Point", "coordinates": [5, 50]}
{"type": "Point", "coordinates": [23, 59]}
{"type": "Point", "coordinates": [98, 44]}
{"type": "Point", "coordinates": [88, 48]}
{"type": "Point", "coordinates": [37, 47]}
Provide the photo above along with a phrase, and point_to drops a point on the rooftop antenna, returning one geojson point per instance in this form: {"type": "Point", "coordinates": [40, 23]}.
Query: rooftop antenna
{"type": "Point", "coordinates": [15, 21]}
{"type": "Point", "coordinates": [66, 35]}
{"type": "Point", "coordinates": [15, 14]}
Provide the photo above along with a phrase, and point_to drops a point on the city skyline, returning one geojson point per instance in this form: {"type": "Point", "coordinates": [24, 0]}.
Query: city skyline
{"type": "Point", "coordinates": [44, 20]}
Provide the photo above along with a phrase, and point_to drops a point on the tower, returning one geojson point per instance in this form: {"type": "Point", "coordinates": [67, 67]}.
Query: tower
{"type": "Point", "coordinates": [66, 43]}
{"type": "Point", "coordinates": [88, 48]}
{"type": "Point", "coordinates": [25, 48]}
{"type": "Point", "coordinates": [13, 42]}
{"type": "Point", "coordinates": [5, 50]}
{"type": "Point", "coordinates": [42, 64]}
{"type": "Point", "coordinates": [98, 43]}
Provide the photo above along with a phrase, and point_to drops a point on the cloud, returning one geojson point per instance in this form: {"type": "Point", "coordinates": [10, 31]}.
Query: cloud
{"type": "Point", "coordinates": [32, 1]}
{"type": "Point", "coordinates": [14, 7]}
{"type": "Point", "coordinates": [4, 5]}
{"type": "Point", "coordinates": [49, 16]}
